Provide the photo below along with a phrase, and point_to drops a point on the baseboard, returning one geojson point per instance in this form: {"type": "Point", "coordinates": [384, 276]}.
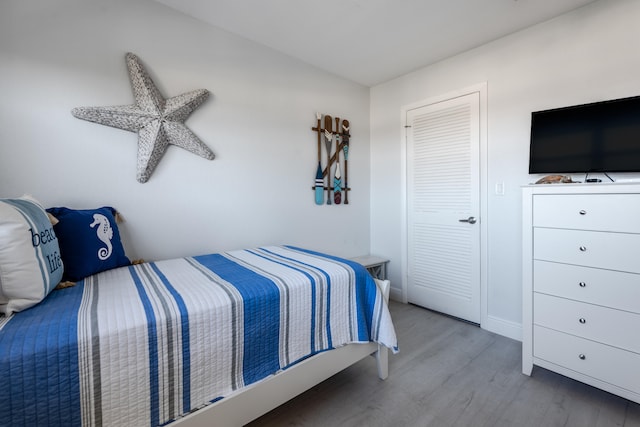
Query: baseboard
{"type": "Point", "coordinates": [493, 324]}
{"type": "Point", "coordinates": [396, 294]}
{"type": "Point", "coordinates": [503, 327]}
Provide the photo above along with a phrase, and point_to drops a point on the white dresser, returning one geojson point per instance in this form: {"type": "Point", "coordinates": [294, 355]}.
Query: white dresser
{"type": "Point", "coordinates": [581, 283]}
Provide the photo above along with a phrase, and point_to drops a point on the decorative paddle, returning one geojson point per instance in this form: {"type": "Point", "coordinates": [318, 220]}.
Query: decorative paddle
{"type": "Point", "coordinates": [319, 186]}
{"type": "Point", "coordinates": [337, 181]}
{"type": "Point", "coordinates": [328, 134]}
{"type": "Point", "coordinates": [345, 147]}
{"type": "Point", "coordinates": [337, 184]}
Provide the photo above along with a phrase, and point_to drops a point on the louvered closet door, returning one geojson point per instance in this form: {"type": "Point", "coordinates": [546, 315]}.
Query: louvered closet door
{"type": "Point", "coordinates": [443, 188]}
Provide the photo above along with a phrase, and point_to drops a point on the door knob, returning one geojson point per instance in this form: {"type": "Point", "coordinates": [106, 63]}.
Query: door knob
{"type": "Point", "coordinates": [470, 220]}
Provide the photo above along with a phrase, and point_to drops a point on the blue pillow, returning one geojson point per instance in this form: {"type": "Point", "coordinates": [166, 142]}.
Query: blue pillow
{"type": "Point", "coordinates": [89, 241]}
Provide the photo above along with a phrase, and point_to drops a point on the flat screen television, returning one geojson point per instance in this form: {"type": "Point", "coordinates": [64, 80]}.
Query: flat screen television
{"type": "Point", "coordinates": [598, 137]}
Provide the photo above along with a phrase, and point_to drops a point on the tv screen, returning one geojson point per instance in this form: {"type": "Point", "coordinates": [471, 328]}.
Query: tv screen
{"type": "Point", "coordinates": [598, 137]}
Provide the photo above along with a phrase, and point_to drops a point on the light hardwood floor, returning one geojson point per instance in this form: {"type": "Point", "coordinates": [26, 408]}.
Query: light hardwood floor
{"type": "Point", "coordinates": [451, 373]}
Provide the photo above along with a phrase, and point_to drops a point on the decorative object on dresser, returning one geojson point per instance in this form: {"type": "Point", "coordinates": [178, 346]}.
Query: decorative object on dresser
{"type": "Point", "coordinates": [581, 284]}
{"type": "Point", "coordinates": [159, 122]}
{"type": "Point", "coordinates": [555, 179]}
{"type": "Point", "coordinates": [342, 136]}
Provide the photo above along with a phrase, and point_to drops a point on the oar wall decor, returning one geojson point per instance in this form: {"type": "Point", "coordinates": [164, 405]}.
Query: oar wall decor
{"type": "Point", "coordinates": [345, 148]}
{"type": "Point", "coordinates": [319, 187]}
{"type": "Point", "coordinates": [342, 137]}
{"type": "Point", "coordinates": [328, 134]}
{"type": "Point", "coordinates": [337, 179]}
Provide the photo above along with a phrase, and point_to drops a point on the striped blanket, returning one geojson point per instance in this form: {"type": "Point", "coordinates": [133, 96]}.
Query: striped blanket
{"type": "Point", "coordinates": [145, 344]}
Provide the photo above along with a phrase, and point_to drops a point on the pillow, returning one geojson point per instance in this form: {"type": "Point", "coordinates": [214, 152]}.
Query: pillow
{"type": "Point", "coordinates": [89, 241]}
{"type": "Point", "coordinates": [30, 265]}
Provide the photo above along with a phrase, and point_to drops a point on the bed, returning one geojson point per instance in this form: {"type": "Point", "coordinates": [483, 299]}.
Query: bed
{"type": "Point", "coordinates": [217, 339]}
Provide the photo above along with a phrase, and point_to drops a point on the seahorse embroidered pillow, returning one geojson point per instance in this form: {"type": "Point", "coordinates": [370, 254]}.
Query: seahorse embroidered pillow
{"type": "Point", "coordinates": [30, 265]}
{"type": "Point", "coordinates": [89, 241]}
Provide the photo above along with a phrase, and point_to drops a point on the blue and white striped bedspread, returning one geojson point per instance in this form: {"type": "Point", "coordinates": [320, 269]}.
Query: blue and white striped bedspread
{"type": "Point", "coordinates": [145, 344]}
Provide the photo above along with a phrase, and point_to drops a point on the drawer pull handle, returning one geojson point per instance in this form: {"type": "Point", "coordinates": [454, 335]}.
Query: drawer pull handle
{"type": "Point", "coordinates": [583, 212]}
{"type": "Point", "coordinates": [582, 320]}
{"type": "Point", "coordinates": [582, 285]}
{"type": "Point", "coordinates": [583, 248]}
{"type": "Point", "coordinates": [582, 357]}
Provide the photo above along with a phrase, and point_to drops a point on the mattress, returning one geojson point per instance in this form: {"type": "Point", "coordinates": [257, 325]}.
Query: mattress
{"type": "Point", "coordinates": [146, 344]}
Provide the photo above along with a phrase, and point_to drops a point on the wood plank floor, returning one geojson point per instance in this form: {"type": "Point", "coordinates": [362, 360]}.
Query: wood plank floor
{"type": "Point", "coordinates": [451, 373]}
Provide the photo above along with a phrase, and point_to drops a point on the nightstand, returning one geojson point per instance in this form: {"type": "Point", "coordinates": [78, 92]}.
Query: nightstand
{"type": "Point", "coordinates": [375, 265]}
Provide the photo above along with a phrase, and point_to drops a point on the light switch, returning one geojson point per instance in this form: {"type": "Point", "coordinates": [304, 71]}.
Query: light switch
{"type": "Point", "coordinates": [500, 188]}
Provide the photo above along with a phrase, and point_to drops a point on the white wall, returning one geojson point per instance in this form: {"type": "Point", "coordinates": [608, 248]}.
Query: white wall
{"type": "Point", "coordinates": [60, 54]}
{"type": "Point", "coordinates": [588, 55]}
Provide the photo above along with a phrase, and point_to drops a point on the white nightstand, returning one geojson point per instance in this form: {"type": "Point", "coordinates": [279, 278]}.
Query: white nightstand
{"type": "Point", "coordinates": [376, 265]}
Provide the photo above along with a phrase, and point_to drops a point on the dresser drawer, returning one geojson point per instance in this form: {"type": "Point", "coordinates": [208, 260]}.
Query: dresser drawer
{"type": "Point", "coordinates": [601, 212]}
{"type": "Point", "coordinates": [606, 325]}
{"type": "Point", "coordinates": [608, 364]}
{"type": "Point", "coordinates": [603, 287]}
{"type": "Point", "coordinates": [614, 251]}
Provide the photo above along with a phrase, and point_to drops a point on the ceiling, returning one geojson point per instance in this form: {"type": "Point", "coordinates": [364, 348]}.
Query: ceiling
{"type": "Point", "coordinates": [372, 41]}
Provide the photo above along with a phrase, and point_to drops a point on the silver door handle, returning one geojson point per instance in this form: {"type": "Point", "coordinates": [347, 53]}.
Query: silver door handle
{"type": "Point", "coordinates": [470, 220]}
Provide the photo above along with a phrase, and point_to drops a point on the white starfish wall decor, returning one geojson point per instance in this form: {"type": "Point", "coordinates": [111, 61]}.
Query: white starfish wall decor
{"type": "Point", "coordinates": [158, 121]}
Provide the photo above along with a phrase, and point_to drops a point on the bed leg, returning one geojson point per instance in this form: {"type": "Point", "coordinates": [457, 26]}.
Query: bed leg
{"type": "Point", "coordinates": [382, 360]}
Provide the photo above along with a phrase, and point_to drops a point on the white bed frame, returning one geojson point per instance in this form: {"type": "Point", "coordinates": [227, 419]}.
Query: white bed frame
{"type": "Point", "coordinates": [249, 403]}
